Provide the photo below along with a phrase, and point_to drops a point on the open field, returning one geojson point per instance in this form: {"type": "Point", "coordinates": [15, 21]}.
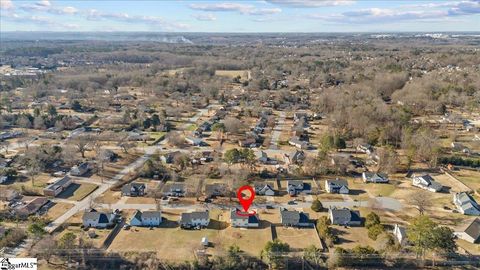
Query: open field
{"type": "Point", "coordinates": [470, 178]}
{"type": "Point", "coordinates": [77, 191]}
{"type": "Point", "coordinates": [58, 209]}
{"type": "Point", "coordinates": [298, 238]}
{"type": "Point", "coordinates": [232, 73]}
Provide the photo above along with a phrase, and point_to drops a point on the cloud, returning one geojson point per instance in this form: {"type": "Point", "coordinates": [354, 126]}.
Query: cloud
{"type": "Point", "coordinates": [94, 14]}
{"type": "Point", "coordinates": [39, 21]}
{"type": "Point", "coordinates": [44, 3]}
{"type": "Point", "coordinates": [311, 3]}
{"type": "Point", "coordinates": [378, 15]}
{"type": "Point", "coordinates": [235, 7]}
{"type": "Point", "coordinates": [205, 17]}
{"type": "Point", "coordinates": [6, 5]}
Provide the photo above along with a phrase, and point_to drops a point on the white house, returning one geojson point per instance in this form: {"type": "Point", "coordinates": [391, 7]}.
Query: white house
{"type": "Point", "coordinates": [466, 204]}
{"type": "Point", "coordinates": [371, 177]}
{"type": "Point", "coordinates": [146, 218]}
{"type": "Point", "coordinates": [243, 220]}
{"type": "Point", "coordinates": [337, 186]}
{"type": "Point", "coordinates": [400, 233]}
{"type": "Point", "coordinates": [95, 219]}
{"type": "Point", "coordinates": [471, 233]}
{"type": "Point", "coordinates": [426, 182]}
{"type": "Point", "coordinates": [195, 219]}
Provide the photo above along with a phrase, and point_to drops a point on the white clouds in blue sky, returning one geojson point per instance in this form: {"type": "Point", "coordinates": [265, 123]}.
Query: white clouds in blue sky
{"type": "Point", "coordinates": [240, 16]}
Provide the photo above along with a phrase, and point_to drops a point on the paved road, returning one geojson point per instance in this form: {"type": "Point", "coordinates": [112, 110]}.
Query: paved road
{"type": "Point", "coordinates": [277, 131]}
{"type": "Point", "coordinates": [85, 203]}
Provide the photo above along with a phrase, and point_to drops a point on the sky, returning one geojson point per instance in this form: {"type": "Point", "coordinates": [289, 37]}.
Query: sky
{"type": "Point", "coordinates": [240, 16]}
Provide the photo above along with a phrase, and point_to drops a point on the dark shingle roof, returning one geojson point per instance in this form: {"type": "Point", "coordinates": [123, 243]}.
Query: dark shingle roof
{"type": "Point", "coordinates": [473, 229]}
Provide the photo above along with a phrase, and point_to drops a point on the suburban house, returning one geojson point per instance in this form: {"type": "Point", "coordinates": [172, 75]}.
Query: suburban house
{"type": "Point", "coordinates": [198, 219]}
{"type": "Point", "coordinates": [365, 148]}
{"type": "Point", "coordinates": [337, 186]}
{"type": "Point", "coordinates": [471, 233]}
{"type": "Point", "coordinates": [248, 142]}
{"type": "Point", "coordinates": [292, 218]}
{"type": "Point", "coordinates": [175, 190]}
{"type": "Point", "coordinates": [264, 189]}
{"type": "Point", "coordinates": [296, 157]}
{"type": "Point", "coordinates": [8, 194]}
{"type": "Point", "coordinates": [345, 217]}
{"type": "Point", "coordinates": [93, 218]}
{"type": "Point", "coordinates": [80, 170]}
{"type": "Point", "coordinates": [243, 220]}
{"type": "Point", "coordinates": [295, 187]}
{"type": "Point", "coordinates": [146, 218]}
{"type": "Point", "coordinates": [57, 187]}
{"type": "Point", "coordinates": [170, 157]}
{"type": "Point", "coordinates": [264, 159]}
{"type": "Point", "coordinates": [400, 234]}
{"type": "Point", "coordinates": [133, 189]}
{"type": "Point", "coordinates": [195, 141]}
{"type": "Point", "coordinates": [466, 204]}
{"type": "Point", "coordinates": [426, 182]}
{"type": "Point", "coordinates": [31, 207]}
{"type": "Point", "coordinates": [371, 177]}
{"type": "Point", "coordinates": [295, 141]}
{"type": "Point", "coordinates": [215, 190]}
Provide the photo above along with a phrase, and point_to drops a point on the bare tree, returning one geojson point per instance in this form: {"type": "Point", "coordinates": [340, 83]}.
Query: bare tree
{"type": "Point", "coordinates": [233, 125]}
{"type": "Point", "coordinates": [81, 143]}
{"type": "Point", "coordinates": [420, 201]}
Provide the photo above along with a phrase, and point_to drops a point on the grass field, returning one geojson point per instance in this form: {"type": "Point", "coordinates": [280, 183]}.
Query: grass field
{"type": "Point", "coordinates": [298, 238]}
{"type": "Point", "coordinates": [232, 73]}
{"type": "Point", "coordinates": [469, 178]}
{"type": "Point", "coordinates": [77, 191]}
{"type": "Point", "coordinates": [58, 209]}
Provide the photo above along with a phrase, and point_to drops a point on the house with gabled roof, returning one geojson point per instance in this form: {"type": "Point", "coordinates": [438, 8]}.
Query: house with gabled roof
{"type": "Point", "coordinates": [471, 232]}
{"type": "Point", "coordinates": [293, 218]}
{"type": "Point", "coordinates": [146, 218]}
{"type": "Point", "coordinates": [175, 190]}
{"type": "Point", "coordinates": [244, 220]}
{"type": "Point", "coordinates": [264, 189]}
{"type": "Point", "coordinates": [93, 218]}
{"type": "Point", "coordinates": [337, 186]}
{"type": "Point", "coordinates": [295, 187]}
{"type": "Point", "coordinates": [466, 204]}
{"type": "Point", "coordinates": [80, 170]}
{"type": "Point", "coordinates": [134, 189]}
{"type": "Point", "coordinates": [344, 216]}
{"type": "Point", "coordinates": [372, 177]}
{"type": "Point", "coordinates": [426, 182]}
{"type": "Point", "coordinates": [196, 219]}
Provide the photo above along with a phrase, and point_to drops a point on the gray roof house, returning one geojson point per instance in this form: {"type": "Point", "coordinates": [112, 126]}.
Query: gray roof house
{"type": "Point", "coordinates": [337, 186]}
{"type": "Point", "coordinates": [133, 189]}
{"type": "Point", "coordinates": [58, 186]}
{"type": "Point", "coordinates": [294, 187]}
{"type": "Point", "coordinates": [296, 157]}
{"type": "Point", "coordinates": [80, 170]}
{"type": "Point", "coordinates": [426, 182]}
{"type": "Point", "coordinates": [471, 233]}
{"type": "Point", "coordinates": [95, 219]}
{"type": "Point", "coordinates": [264, 189]}
{"type": "Point", "coordinates": [344, 217]}
{"type": "Point", "coordinates": [466, 204]}
{"type": "Point", "coordinates": [294, 218]}
{"type": "Point", "coordinates": [244, 220]}
{"type": "Point", "coordinates": [197, 219]}
{"type": "Point", "coordinates": [146, 218]}
{"type": "Point", "coordinates": [371, 177]}
{"type": "Point", "coordinates": [175, 190]}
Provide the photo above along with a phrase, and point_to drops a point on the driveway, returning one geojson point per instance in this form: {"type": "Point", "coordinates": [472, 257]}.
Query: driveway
{"type": "Point", "coordinates": [277, 131]}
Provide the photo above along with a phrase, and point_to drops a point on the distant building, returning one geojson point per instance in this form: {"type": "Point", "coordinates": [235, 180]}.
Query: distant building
{"type": "Point", "coordinates": [80, 170]}
{"type": "Point", "coordinates": [371, 177]}
{"type": "Point", "coordinates": [133, 189]}
{"type": "Point", "coordinates": [31, 207]}
{"type": "Point", "coordinates": [337, 186]}
{"type": "Point", "coordinates": [466, 204]}
{"type": "Point", "coordinates": [243, 219]}
{"type": "Point", "coordinates": [57, 187]}
{"type": "Point", "coordinates": [146, 218]}
{"type": "Point", "coordinates": [295, 187]}
{"type": "Point", "coordinates": [264, 189]}
{"type": "Point", "coordinates": [175, 190]}
{"type": "Point", "coordinates": [426, 182]}
{"type": "Point", "coordinates": [215, 190]}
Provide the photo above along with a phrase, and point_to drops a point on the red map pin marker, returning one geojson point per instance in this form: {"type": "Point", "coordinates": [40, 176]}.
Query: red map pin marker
{"type": "Point", "coordinates": [248, 201]}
